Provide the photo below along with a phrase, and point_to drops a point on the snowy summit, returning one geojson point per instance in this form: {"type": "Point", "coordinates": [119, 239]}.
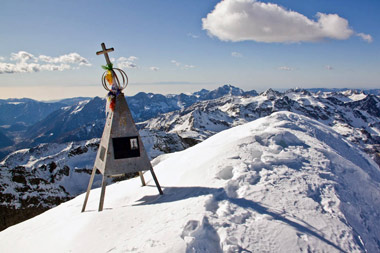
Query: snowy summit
{"type": "Point", "coordinates": [282, 183]}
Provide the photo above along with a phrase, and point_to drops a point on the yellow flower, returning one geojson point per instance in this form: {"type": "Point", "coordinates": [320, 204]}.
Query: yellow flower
{"type": "Point", "coordinates": [109, 77]}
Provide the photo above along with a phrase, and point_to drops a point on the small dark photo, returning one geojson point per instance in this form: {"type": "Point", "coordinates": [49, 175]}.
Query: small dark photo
{"type": "Point", "coordinates": [126, 147]}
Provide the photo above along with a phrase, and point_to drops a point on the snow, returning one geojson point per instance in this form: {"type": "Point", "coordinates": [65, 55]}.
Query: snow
{"type": "Point", "coordinates": [80, 106]}
{"type": "Point", "coordinates": [357, 97]}
{"type": "Point", "coordinates": [15, 103]}
{"type": "Point", "coordinates": [283, 183]}
{"type": "Point", "coordinates": [354, 95]}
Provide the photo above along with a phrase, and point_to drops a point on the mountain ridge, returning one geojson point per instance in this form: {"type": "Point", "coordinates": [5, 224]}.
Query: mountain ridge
{"type": "Point", "coordinates": [355, 115]}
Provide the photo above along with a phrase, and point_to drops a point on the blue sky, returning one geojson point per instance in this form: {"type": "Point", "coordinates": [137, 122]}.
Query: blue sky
{"type": "Point", "coordinates": [47, 48]}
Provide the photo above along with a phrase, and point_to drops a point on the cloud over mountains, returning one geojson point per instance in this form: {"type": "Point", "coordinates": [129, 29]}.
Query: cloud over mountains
{"type": "Point", "coordinates": [241, 20]}
{"type": "Point", "coordinates": [124, 62]}
{"type": "Point", "coordinates": [25, 62]}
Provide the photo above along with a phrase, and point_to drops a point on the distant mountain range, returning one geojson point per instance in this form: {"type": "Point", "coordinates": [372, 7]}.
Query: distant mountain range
{"type": "Point", "coordinates": [27, 122]}
{"type": "Point", "coordinates": [353, 114]}
{"type": "Point", "coordinates": [365, 91]}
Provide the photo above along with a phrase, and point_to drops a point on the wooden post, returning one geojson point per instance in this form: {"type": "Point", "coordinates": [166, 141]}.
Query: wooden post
{"type": "Point", "coordinates": [156, 181]}
{"type": "Point", "coordinates": [89, 189]}
{"type": "Point", "coordinates": [103, 192]}
{"type": "Point", "coordinates": [142, 178]}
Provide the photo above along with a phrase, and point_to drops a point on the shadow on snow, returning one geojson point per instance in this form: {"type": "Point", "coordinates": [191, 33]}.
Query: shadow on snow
{"type": "Point", "coordinates": [172, 194]}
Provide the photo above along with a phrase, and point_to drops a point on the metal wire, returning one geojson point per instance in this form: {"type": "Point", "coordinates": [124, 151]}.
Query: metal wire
{"type": "Point", "coordinates": [120, 86]}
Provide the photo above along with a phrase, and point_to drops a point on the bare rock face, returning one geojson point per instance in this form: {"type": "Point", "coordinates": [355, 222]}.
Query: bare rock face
{"type": "Point", "coordinates": [27, 195]}
{"type": "Point", "coordinates": [12, 216]}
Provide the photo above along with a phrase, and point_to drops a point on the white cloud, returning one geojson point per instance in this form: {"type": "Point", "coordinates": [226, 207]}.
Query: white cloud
{"type": "Point", "coordinates": [286, 68]}
{"type": "Point", "coordinates": [193, 36]}
{"type": "Point", "coordinates": [328, 67]}
{"type": "Point", "coordinates": [127, 62]}
{"type": "Point", "coordinates": [366, 37]}
{"type": "Point", "coordinates": [28, 63]}
{"type": "Point", "coordinates": [72, 58]}
{"type": "Point", "coordinates": [51, 67]}
{"type": "Point", "coordinates": [188, 66]}
{"type": "Point", "coordinates": [176, 63]}
{"type": "Point", "coordinates": [23, 67]}
{"type": "Point", "coordinates": [130, 58]}
{"type": "Point", "coordinates": [23, 56]}
{"type": "Point", "coordinates": [236, 54]}
{"type": "Point", "coordinates": [183, 66]}
{"type": "Point", "coordinates": [241, 20]}
{"type": "Point", "coordinates": [154, 68]}
{"type": "Point", "coordinates": [2, 58]}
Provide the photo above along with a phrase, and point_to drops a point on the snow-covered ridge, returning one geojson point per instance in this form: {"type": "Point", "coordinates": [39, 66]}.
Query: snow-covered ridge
{"type": "Point", "coordinates": [284, 182]}
{"type": "Point", "coordinates": [356, 120]}
{"type": "Point", "coordinates": [80, 106]}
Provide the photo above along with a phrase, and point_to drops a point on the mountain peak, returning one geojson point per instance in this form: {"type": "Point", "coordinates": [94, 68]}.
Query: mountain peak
{"type": "Point", "coordinates": [226, 89]}
{"type": "Point", "coordinates": [270, 93]}
{"type": "Point", "coordinates": [298, 90]}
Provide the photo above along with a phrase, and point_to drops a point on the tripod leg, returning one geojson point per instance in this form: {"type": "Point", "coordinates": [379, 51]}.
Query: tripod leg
{"type": "Point", "coordinates": [156, 181]}
{"type": "Point", "coordinates": [142, 178]}
{"type": "Point", "coordinates": [104, 183]}
{"type": "Point", "coordinates": [89, 189]}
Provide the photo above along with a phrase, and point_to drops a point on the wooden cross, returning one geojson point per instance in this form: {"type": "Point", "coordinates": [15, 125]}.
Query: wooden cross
{"type": "Point", "coordinates": [105, 52]}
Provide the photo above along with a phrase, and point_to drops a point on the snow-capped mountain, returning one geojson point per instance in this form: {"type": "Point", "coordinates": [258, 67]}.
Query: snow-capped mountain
{"type": "Point", "coordinates": [148, 105]}
{"type": "Point", "coordinates": [336, 90]}
{"type": "Point", "coordinates": [36, 179]}
{"type": "Point", "coordinates": [282, 183]}
{"type": "Point", "coordinates": [16, 115]}
{"type": "Point", "coordinates": [25, 111]}
{"type": "Point", "coordinates": [355, 115]}
{"type": "Point", "coordinates": [82, 119]}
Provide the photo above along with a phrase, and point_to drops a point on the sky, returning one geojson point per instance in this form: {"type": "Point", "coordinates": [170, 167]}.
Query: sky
{"type": "Point", "coordinates": [48, 48]}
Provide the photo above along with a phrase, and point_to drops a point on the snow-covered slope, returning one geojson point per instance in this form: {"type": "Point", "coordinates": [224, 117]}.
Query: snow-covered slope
{"type": "Point", "coordinates": [283, 183]}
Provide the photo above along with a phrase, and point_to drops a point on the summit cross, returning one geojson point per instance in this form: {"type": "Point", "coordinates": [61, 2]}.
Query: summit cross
{"type": "Point", "coordinates": [105, 52]}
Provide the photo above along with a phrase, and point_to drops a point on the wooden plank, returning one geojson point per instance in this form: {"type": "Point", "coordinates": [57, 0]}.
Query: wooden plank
{"type": "Point", "coordinates": [89, 189]}
{"type": "Point", "coordinates": [102, 194]}
{"type": "Point", "coordinates": [142, 178]}
{"type": "Point", "coordinates": [156, 181]}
